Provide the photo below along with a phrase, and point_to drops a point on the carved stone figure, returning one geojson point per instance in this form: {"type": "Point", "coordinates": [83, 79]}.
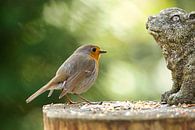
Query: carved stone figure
{"type": "Point", "coordinates": [174, 31]}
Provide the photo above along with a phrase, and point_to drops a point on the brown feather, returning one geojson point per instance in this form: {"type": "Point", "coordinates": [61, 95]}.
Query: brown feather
{"type": "Point", "coordinates": [50, 85]}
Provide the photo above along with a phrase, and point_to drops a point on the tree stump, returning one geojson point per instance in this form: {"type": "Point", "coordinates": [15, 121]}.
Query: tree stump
{"type": "Point", "coordinates": [117, 115]}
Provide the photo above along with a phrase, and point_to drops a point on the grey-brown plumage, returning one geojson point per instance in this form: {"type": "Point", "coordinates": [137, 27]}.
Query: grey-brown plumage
{"type": "Point", "coordinates": [76, 75]}
{"type": "Point", "coordinates": [174, 31]}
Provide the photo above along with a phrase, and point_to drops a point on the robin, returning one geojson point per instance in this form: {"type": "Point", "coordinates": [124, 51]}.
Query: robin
{"type": "Point", "coordinates": [76, 75]}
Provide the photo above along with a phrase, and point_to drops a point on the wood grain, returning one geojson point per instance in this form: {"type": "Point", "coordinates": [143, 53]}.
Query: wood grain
{"type": "Point", "coordinates": [118, 115]}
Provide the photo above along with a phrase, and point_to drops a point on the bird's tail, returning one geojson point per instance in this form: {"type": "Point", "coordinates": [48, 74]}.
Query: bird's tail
{"type": "Point", "coordinates": [38, 92]}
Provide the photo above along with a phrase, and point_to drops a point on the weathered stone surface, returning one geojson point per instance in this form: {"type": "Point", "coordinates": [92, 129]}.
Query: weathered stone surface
{"type": "Point", "coordinates": [174, 31]}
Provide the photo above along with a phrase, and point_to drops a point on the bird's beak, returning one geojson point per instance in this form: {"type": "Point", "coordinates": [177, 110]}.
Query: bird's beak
{"type": "Point", "coordinates": [103, 51]}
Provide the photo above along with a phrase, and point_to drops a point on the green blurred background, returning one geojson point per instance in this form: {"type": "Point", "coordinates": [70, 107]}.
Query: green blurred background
{"type": "Point", "coordinates": [38, 35]}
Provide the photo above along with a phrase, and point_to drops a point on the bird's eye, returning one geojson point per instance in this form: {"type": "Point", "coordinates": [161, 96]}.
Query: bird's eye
{"type": "Point", "coordinates": [175, 18]}
{"type": "Point", "coordinates": [94, 49]}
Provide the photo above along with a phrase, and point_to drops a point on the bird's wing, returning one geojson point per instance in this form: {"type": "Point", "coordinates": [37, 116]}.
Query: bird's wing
{"type": "Point", "coordinates": [62, 75]}
{"type": "Point", "coordinates": [51, 84]}
{"type": "Point", "coordinates": [83, 68]}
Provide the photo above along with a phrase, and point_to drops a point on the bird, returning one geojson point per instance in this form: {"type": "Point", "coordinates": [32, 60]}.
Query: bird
{"type": "Point", "coordinates": [76, 75]}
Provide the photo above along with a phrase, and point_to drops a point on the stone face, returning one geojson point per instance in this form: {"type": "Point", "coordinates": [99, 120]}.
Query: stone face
{"type": "Point", "coordinates": [174, 31]}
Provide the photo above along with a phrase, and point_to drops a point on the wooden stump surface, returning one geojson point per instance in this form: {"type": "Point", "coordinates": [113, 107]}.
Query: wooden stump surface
{"type": "Point", "coordinates": [117, 115]}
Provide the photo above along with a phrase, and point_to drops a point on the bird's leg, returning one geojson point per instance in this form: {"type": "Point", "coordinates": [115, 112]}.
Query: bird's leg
{"type": "Point", "coordinates": [84, 99]}
{"type": "Point", "coordinates": [50, 93]}
{"type": "Point", "coordinates": [69, 100]}
{"type": "Point", "coordinates": [63, 84]}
